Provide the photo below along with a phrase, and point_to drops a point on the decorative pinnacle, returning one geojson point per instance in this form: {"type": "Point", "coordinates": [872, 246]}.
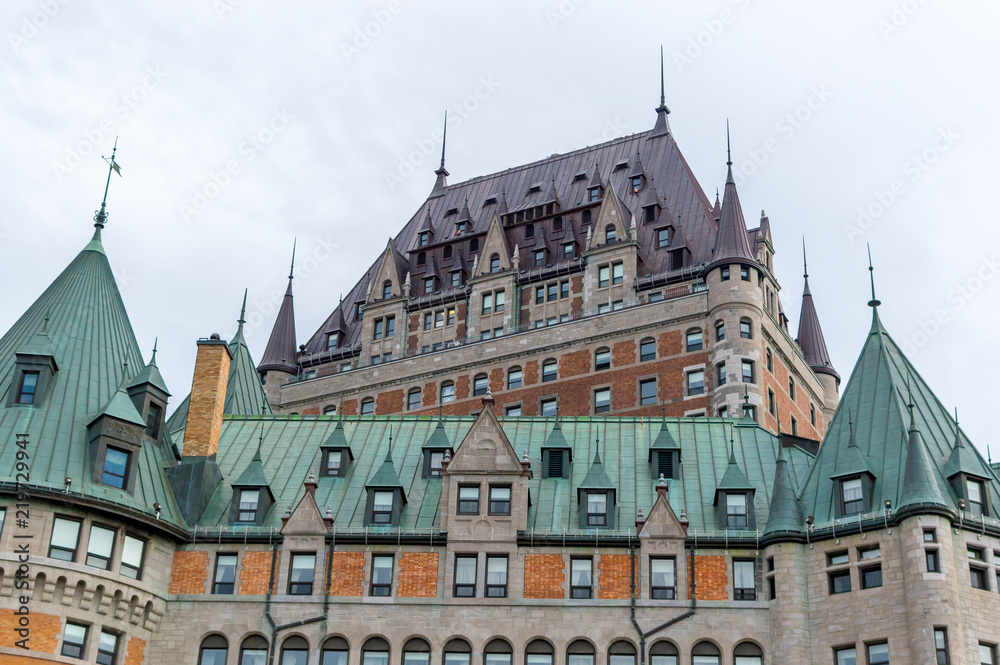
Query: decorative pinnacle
{"type": "Point", "coordinates": [663, 97]}
{"type": "Point", "coordinates": [874, 302]}
{"type": "Point", "coordinates": [243, 310]}
{"type": "Point", "coordinates": [805, 266]}
{"type": "Point", "coordinates": [291, 271]}
{"type": "Point", "coordinates": [444, 139]}
{"type": "Point", "coordinates": [101, 216]}
{"type": "Point", "coordinates": [729, 152]}
{"type": "Point", "coordinates": [156, 341]}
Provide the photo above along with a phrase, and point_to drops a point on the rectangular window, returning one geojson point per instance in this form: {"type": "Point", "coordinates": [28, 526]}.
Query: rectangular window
{"type": "Point", "coordinates": [662, 575]}
{"type": "Point", "coordinates": [748, 374]}
{"type": "Point", "coordinates": [225, 574]}
{"type": "Point", "coordinates": [597, 509]}
{"type": "Point", "coordinates": [979, 578]}
{"type": "Point", "coordinates": [791, 388]}
{"type": "Point", "coordinates": [413, 399]}
{"type": "Point", "coordinates": [153, 421]}
{"type": "Point", "coordinates": [656, 296]}
{"type": "Point", "coordinates": [381, 575]}
{"type": "Point", "coordinates": [65, 538]}
{"type": "Point", "coordinates": [617, 273]}
{"type": "Point", "coordinates": [439, 319]}
{"type": "Point", "coordinates": [837, 558]}
{"type": "Point", "coordinates": [602, 359]}
{"type": "Point", "coordinates": [456, 278]}
{"type": "Point", "coordinates": [499, 500]}
{"type": "Point", "coordinates": [663, 237]}
{"type": "Point", "coordinates": [116, 463]}
{"type": "Point", "coordinates": [720, 331]}
{"type": "Point", "coordinates": [848, 656]}
{"type": "Point", "coordinates": [770, 362]}
{"type": "Point", "coordinates": [377, 330]}
{"type": "Point", "coordinates": [468, 500]}
{"type": "Point", "coordinates": [581, 578]}
{"type": "Point", "coordinates": [871, 577]}
{"type": "Point", "coordinates": [552, 292]}
{"type": "Point", "coordinates": [853, 496]}
{"type": "Point", "coordinates": [382, 508]}
{"type": "Point", "coordinates": [447, 393]}
{"type": "Point", "coordinates": [772, 402]}
{"type": "Point", "coordinates": [514, 377]}
{"type": "Point", "coordinates": [647, 350]}
{"type": "Point", "coordinates": [720, 374]}
{"type": "Point", "coordinates": [724, 273]}
{"type": "Point", "coordinates": [931, 557]}
{"type": "Point", "coordinates": [424, 238]}
{"type": "Point", "coordinates": [694, 341]}
{"type": "Point", "coordinates": [564, 289]}
{"type": "Point", "coordinates": [428, 319]}
{"type": "Point", "coordinates": [390, 326]}
{"type": "Point", "coordinates": [987, 654]}
{"type": "Point", "coordinates": [840, 582]}
{"type": "Point", "coordinates": [745, 330]}
{"type": "Point", "coordinates": [603, 276]}
{"type": "Point", "coordinates": [496, 577]}
{"type": "Point", "coordinates": [465, 576]}
{"type": "Point", "coordinates": [744, 580]}
{"type": "Point", "coordinates": [334, 462]}
{"type": "Point", "coordinates": [429, 285]}
{"type": "Point", "coordinates": [604, 308]}
{"type": "Point", "coordinates": [480, 385]}
{"type": "Point", "coordinates": [647, 391]}
{"type": "Point", "coordinates": [499, 301]}
{"type": "Point", "coordinates": [512, 411]}
{"type": "Point", "coordinates": [555, 465]}
{"type": "Point", "coordinates": [100, 546]}
{"type": "Point", "coordinates": [133, 552]}
{"type": "Point", "coordinates": [74, 640]}
{"type": "Point", "coordinates": [435, 463]}
{"type": "Point", "coordinates": [487, 303]}
{"type": "Point", "coordinates": [539, 295]}
{"type": "Point", "coordinates": [941, 646]}
{"type": "Point", "coordinates": [602, 400]}
{"type": "Point", "coordinates": [247, 510]}
{"type": "Point", "coordinates": [300, 581]}
{"type": "Point", "coordinates": [550, 407]}
{"type": "Point", "coordinates": [539, 257]}
{"type": "Point", "coordinates": [745, 273]}
{"type": "Point", "coordinates": [869, 553]}
{"type": "Point", "coordinates": [549, 370]}
{"type": "Point", "coordinates": [975, 492]}
{"type": "Point", "coordinates": [736, 511]}
{"type": "Point", "coordinates": [696, 382]}
{"type": "Point", "coordinates": [29, 385]}
{"type": "Point", "coordinates": [568, 251]}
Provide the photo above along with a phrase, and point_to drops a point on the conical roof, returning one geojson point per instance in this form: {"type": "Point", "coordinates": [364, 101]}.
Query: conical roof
{"type": "Point", "coordinates": [280, 353]}
{"type": "Point", "coordinates": [810, 336]}
{"type": "Point", "coordinates": [964, 460]}
{"type": "Point", "coordinates": [920, 480]}
{"type": "Point", "coordinates": [785, 514]}
{"type": "Point", "coordinates": [121, 408]}
{"type": "Point", "coordinates": [91, 339]}
{"type": "Point", "coordinates": [732, 245]}
{"type": "Point", "coordinates": [664, 441]}
{"type": "Point", "coordinates": [556, 438]}
{"type": "Point", "coordinates": [254, 475]}
{"type": "Point", "coordinates": [734, 479]}
{"type": "Point", "coordinates": [150, 374]}
{"type": "Point", "coordinates": [438, 439]}
{"type": "Point", "coordinates": [597, 476]}
{"type": "Point", "coordinates": [386, 476]}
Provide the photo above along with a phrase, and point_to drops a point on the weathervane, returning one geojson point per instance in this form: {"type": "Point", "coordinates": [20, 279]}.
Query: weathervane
{"type": "Point", "coordinates": [101, 216]}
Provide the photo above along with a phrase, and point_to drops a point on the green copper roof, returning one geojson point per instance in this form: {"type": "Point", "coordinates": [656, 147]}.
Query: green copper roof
{"type": "Point", "coordinates": [920, 481]}
{"type": "Point", "coordinates": [785, 512]}
{"type": "Point", "coordinates": [664, 440]}
{"type": "Point", "coordinates": [40, 344]}
{"type": "Point", "coordinates": [292, 447]}
{"type": "Point", "coordinates": [555, 438]}
{"type": "Point", "coordinates": [597, 477]}
{"type": "Point", "coordinates": [386, 475]}
{"type": "Point", "coordinates": [122, 408]}
{"type": "Point", "coordinates": [438, 439]}
{"type": "Point", "coordinates": [92, 340]}
{"type": "Point", "coordinates": [851, 461]}
{"type": "Point", "coordinates": [337, 438]}
{"type": "Point", "coordinates": [253, 475]}
{"type": "Point", "coordinates": [150, 374]}
{"type": "Point", "coordinates": [734, 478]}
{"type": "Point", "coordinates": [875, 398]}
{"type": "Point", "coordinates": [964, 460]}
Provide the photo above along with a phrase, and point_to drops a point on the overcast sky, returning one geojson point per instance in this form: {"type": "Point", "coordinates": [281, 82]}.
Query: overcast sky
{"type": "Point", "coordinates": [325, 115]}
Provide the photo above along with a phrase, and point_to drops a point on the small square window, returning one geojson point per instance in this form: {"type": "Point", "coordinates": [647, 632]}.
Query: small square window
{"type": "Point", "coordinates": [512, 411]}
{"type": "Point", "coordinates": [878, 654]}
{"type": "Point", "coordinates": [987, 654]}
{"type": "Point", "coordinates": [468, 500]}
{"type": "Point", "coordinates": [871, 577]}
{"type": "Point", "coordinates": [848, 656]}
{"type": "Point", "coordinates": [655, 296]}
{"type": "Point", "coordinates": [930, 536]}
{"type": "Point", "coordinates": [696, 382]}
{"type": "Point", "coordinates": [550, 406]}
{"type": "Point", "coordinates": [868, 553]}
{"type": "Point", "coordinates": [840, 582]}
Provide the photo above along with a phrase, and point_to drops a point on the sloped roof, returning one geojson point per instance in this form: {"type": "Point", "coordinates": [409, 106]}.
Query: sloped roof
{"type": "Point", "coordinates": [732, 245]}
{"type": "Point", "coordinates": [92, 339]}
{"type": "Point", "coordinates": [150, 374]}
{"type": "Point", "coordinates": [785, 512]}
{"type": "Point", "coordinates": [810, 335]}
{"type": "Point", "coordinates": [292, 446]}
{"type": "Point", "coordinates": [281, 352]}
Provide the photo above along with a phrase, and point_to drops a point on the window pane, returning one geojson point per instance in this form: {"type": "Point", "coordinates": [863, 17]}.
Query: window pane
{"type": "Point", "coordinates": [496, 570]}
{"type": "Point", "coordinates": [375, 658]}
{"type": "Point", "coordinates": [65, 535]}
{"type": "Point", "coordinates": [382, 570]}
{"type": "Point", "coordinates": [74, 637]}
{"type": "Point", "coordinates": [99, 546]}
{"type": "Point", "coordinates": [409, 658]}
{"type": "Point", "coordinates": [550, 407]}
{"type": "Point", "coordinates": [878, 654]}
{"type": "Point", "coordinates": [465, 570]}
{"type": "Point", "coordinates": [580, 572]}
{"type": "Point", "coordinates": [538, 659]}
{"type": "Point", "coordinates": [647, 392]}
{"type": "Point", "coordinates": [214, 656]}
{"type": "Point", "coordinates": [132, 551]}
{"type": "Point", "coordinates": [662, 571]}
{"type": "Point", "coordinates": [115, 468]}
{"type": "Point", "coordinates": [382, 501]}
{"type": "Point", "coordinates": [602, 400]}
{"type": "Point", "coordinates": [253, 656]}
{"type": "Point", "coordinates": [453, 658]}
{"type": "Point", "coordinates": [580, 659]}
{"type": "Point", "coordinates": [497, 659]}
{"type": "Point", "coordinates": [847, 657]}
{"type": "Point", "coordinates": [743, 571]}
{"type": "Point", "coordinates": [294, 657]}
{"type": "Point", "coordinates": [621, 659]}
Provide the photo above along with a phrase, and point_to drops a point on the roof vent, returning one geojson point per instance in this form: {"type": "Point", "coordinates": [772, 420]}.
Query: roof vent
{"type": "Point", "coordinates": [490, 201]}
{"type": "Point", "coordinates": [582, 175]}
{"type": "Point", "coordinates": [534, 189]}
{"type": "Point", "coordinates": [451, 211]}
{"type": "Point", "coordinates": [621, 165]}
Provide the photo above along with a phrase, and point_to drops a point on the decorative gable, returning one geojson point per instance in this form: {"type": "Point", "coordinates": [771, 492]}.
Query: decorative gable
{"type": "Point", "coordinates": [495, 245]}
{"type": "Point", "coordinates": [388, 273]}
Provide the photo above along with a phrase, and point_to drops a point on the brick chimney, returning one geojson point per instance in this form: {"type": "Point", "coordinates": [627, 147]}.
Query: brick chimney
{"type": "Point", "coordinates": [208, 398]}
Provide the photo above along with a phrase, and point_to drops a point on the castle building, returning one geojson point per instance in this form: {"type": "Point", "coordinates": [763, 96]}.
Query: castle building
{"type": "Point", "coordinates": [234, 534]}
{"type": "Point", "coordinates": [598, 281]}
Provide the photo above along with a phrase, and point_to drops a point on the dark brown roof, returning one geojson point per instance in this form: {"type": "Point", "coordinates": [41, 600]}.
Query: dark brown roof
{"type": "Point", "coordinates": [732, 245]}
{"type": "Point", "coordinates": [280, 353]}
{"type": "Point", "coordinates": [810, 336]}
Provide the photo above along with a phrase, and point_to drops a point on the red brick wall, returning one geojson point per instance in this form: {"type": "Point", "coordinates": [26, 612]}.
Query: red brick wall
{"type": "Point", "coordinates": [575, 363]}
{"type": "Point", "coordinates": [710, 578]}
{"type": "Point", "coordinates": [350, 408]}
{"type": "Point", "coordinates": [418, 575]}
{"type": "Point", "coordinates": [778, 382]}
{"type": "Point", "coordinates": [460, 313]}
{"type": "Point", "coordinates": [543, 576]}
{"type": "Point", "coordinates": [623, 353]}
{"type": "Point", "coordinates": [497, 382]}
{"type": "Point", "coordinates": [430, 395]}
{"type": "Point", "coordinates": [134, 653]}
{"type": "Point", "coordinates": [615, 576]}
{"type": "Point", "coordinates": [311, 411]}
{"type": "Point", "coordinates": [530, 376]}
{"type": "Point", "coordinates": [45, 630]}
{"type": "Point", "coordinates": [389, 402]}
{"type": "Point", "coordinates": [189, 572]}
{"type": "Point", "coordinates": [256, 572]}
{"type": "Point", "coordinates": [347, 574]}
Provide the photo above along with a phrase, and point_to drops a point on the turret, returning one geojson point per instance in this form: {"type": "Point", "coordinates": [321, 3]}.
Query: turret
{"type": "Point", "coordinates": [813, 345]}
{"type": "Point", "coordinates": [278, 364]}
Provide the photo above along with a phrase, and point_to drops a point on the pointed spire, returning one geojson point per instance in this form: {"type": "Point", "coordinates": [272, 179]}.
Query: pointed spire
{"type": "Point", "coordinates": [734, 479]}
{"type": "Point", "coordinates": [732, 244]}
{"type": "Point", "coordinates": [962, 459]}
{"type": "Point", "coordinates": [810, 335]}
{"type": "Point", "coordinates": [729, 151]}
{"type": "Point", "coordinates": [874, 302]}
{"type": "Point", "coordinates": [785, 513]}
{"type": "Point", "coordinates": [441, 173]}
{"type": "Point", "coordinates": [662, 126]}
{"type": "Point", "coordinates": [280, 353]}
{"type": "Point", "coordinates": [150, 374]}
{"type": "Point", "coordinates": [596, 181]}
{"type": "Point", "coordinates": [920, 485]}
{"type": "Point", "coordinates": [240, 321]}
{"type": "Point", "coordinates": [747, 420]}
{"type": "Point", "coordinates": [101, 216]}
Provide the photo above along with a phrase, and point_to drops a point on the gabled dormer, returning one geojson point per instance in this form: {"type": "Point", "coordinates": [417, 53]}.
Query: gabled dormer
{"type": "Point", "coordinates": [115, 440]}
{"type": "Point", "coordinates": [968, 477]}
{"type": "Point", "coordinates": [336, 454]}
{"type": "Point", "coordinates": [596, 497]}
{"type": "Point", "coordinates": [636, 177]}
{"type": "Point", "coordinates": [434, 451]}
{"type": "Point", "coordinates": [386, 497]}
{"type": "Point", "coordinates": [149, 395]}
{"type": "Point", "coordinates": [35, 368]}
{"type": "Point", "coordinates": [734, 498]}
{"type": "Point", "coordinates": [556, 454]}
{"type": "Point", "coordinates": [252, 496]}
{"type": "Point", "coordinates": [853, 481]}
{"type": "Point", "coordinates": [664, 455]}
{"type": "Point", "coordinates": [595, 189]}
{"type": "Point", "coordinates": [425, 235]}
{"type": "Point", "coordinates": [651, 205]}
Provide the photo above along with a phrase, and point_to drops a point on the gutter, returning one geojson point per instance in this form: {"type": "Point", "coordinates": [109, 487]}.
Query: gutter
{"type": "Point", "coordinates": [273, 646]}
{"type": "Point", "coordinates": [635, 624]}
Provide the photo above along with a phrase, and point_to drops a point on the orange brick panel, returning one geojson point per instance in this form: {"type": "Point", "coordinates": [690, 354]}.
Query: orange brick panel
{"type": "Point", "coordinates": [543, 576]}
{"type": "Point", "coordinates": [418, 575]}
{"type": "Point", "coordinates": [574, 363]}
{"type": "Point", "coordinates": [615, 577]}
{"type": "Point", "coordinates": [710, 578]}
{"type": "Point", "coordinates": [189, 572]}
{"type": "Point", "coordinates": [669, 343]}
{"type": "Point", "coordinates": [347, 574]}
{"type": "Point", "coordinates": [623, 353]}
{"type": "Point", "coordinates": [350, 408]}
{"type": "Point", "coordinates": [256, 573]}
{"type": "Point", "coordinates": [311, 411]}
{"type": "Point", "coordinates": [134, 653]}
{"type": "Point", "coordinates": [389, 402]}
{"type": "Point", "coordinates": [43, 636]}
{"type": "Point", "coordinates": [497, 382]}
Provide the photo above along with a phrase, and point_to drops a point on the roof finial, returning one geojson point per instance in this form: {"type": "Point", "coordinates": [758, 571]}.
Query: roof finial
{"type": "Point", "coordinates": [444, 138]}
{"type": "Point", "coordinates": [260, 439]}
{"type": "Point", "coordinates": [388, 453]}
{"type": "Point", "coordinates": [732, 444]}
{"type": "Point", "coordinates": [663, 96]}
{"type": "Point", "coordinates": [156, 341]}
{"type": "Point", "coordinates": [874, 302]}
{"type": "Point", "coordinates": [101, 216]}
{"type": "Point", "coordinates": [291, 271]}
{"type": "Point", "coordinates": [243, 311]}
{"type": "Point", "coordinates": [729, 152]}
{"type": "Point", "coordinates": [805, 266]}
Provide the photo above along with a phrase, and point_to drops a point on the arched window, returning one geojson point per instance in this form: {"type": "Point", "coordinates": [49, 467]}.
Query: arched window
{"type": "Point", "coordinates": [474, 245]}
{"type": "Point", "coordinates": [387, 289]}
{"type": "Point", "coordinates": [214, 650]}
{"type": "Point", "coordinates": [447, 252]}
{"type": "Point", "coordinates": [495, 263]}
{"type": "Point", "coordinates": [375, 651]}
{"type": "Point", "coordinates": [329, 409]}
{"type": "Point", "coordinates": [663, 653]}
{"type": "Point", "coordinates": [748, 653]}
{"type": "Point", "coordinates": [421, 258]}
{"type": "Point", "coordinates": [367, 406]}
{"type": "Point", "coordinates": [705, 653]}
{"type": "Point", "coordinates": [585, 217]}
{"type": "Point", "coordinates": [447, 392]}
{"type": "Point", "coordinates": [480, 385]}
{"type": "Point", "coordinates": [609, 234]}
{"type": "Point", "coordinates": [580, 652]}
{"type": "Point", "coordinates": [529, 231]}
{"type": "Point", "coordinates": [295, 651]}
{"type": "Point", "coordinates": [746, 328]}
{"type": "Point", "coordinates": [514, 377]}
{"type": "Point", "coordinates": [334, 651]}
{"type": "Point", "coordinates": [413, 399]}
{"type": "Point", "coordinates": [647, 349]}
{"type": "Point", "coordinates": [621, 653]}
{"type": "Point", "coordinates": [253, 651]}
{"type": "Point", "coordinates": [538, 652]}
{"type": "Point", "coordinates": [602, 358]}
{"type": "Point", "coordinates": [550, 370]}
{"type": "Point", "coordinates": [457, 652]}
{"type": "Point", "coordinates": [416, 651]}
{"type": "Point", "coordinates": [497, 652]}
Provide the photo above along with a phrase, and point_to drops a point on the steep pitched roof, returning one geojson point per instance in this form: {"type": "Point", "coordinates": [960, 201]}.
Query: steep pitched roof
{"type": "Point", "coordinates": [92, 340]}
{"type": "Point", "coordinates": [920, 480]}
{"type": "Point", "coordinates": [280, 353]}
{"type": "Point", "coordinates": [785, 512]}
{"type": "Point", "coordinates": [732, 245]}
{"type": "Point", "coordinates": [810, 336]}
{"type": "Point", "coordinates": [150, 374]}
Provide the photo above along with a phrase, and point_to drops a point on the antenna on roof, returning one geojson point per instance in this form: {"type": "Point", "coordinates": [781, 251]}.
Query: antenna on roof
{"type": "Point", "coordinates": [101, 216]}
{"type": "Point", "coordinates": [874, 302]}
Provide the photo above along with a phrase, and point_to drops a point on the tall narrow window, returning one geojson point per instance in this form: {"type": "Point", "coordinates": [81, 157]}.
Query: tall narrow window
{"type": "Point", "coordinates": [853, 496]}
{"type": "Point", "coordinates": [301, 578]}
{"type": "Point", "coordinates": [791, 388]}
{"type": "Point", "coordinates": [609, 235]}
{"type": "Point", "coordinates": [976, 506]}
{"type": "Point", "coordinates": [500, 500]}
{"type": "Point", "coordinates": [29, 385]}
{"type": "Point", "coordinates": [647, 392]}
{"type": "Point", "coordinates": [495, 263]}
{"type": "Point", "coordinates": [720, 374]}
{"type": "Point", "coordinates": [224, 581]}
{"type": "Point", "coordinates": [581, 578]}
{"type": "Point", "coordinates": [133, 551]}
{"type": "Point", "coordinates": [74, 640]}
{"type": "Point", "coordinates": [987, 654]}
{"type": "Point", "coordinates": [514, 378]}
{"type": "Point", "coordinates": [694, 340]}
{"type": "Point", "coordinates": [736, 511]}
{"type": "Point", "coordinates": [597, 509]}
{"type": "Point", "coordinates": [647, 350]}
{"type": "Point", "coordinates": [116, 463]}
{"type": "Point", "coordinates": [602, 400]}
{"type": "Point", "coordinates": [382, 507]}
{"type": "Point", "coordinates": [247, 510]}
{"type": "Point", "coordinates": [748, 373]}
{"type": "Point", "coordinates": [480, 385]}
{"type": "Point", "coordinates": [100, 546]}
{"type": "Point", "coordinates": [663, 584]}
{"type": "Point", "coordinates": [744, 580]}
{"type": "Point", "coordinates": [447, 392]}
{"type": "Point", "coordinates": [941, 646]}
{"type": "Point", "coordinates": [107, 648]}
{"type": "Point", "coordinates": [550, 370]}
{"type": "Point", "coordinates": [153, 420]}
{"type": "Point", "coordinates": [465, 576]}
{"type": "Point", "coordinates": [381, 575]}
{"type": "Point", "coordinates": [746, 329]}
{"type": "Point", "coordinates": [386, 290]}
{"type": "Point", "coordinates": [496, 576]}
{"type": "Point", "coordinates": [65, 538]}
{"type": "Point", "coordinates": [413, 399]}
{"type": "Point", "coordinates": [602, 359]}
{"type": "Point", "coordinates": [720, 331]}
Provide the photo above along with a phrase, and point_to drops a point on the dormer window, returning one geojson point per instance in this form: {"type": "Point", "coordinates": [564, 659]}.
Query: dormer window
{"type": "Point", "coordinates": [429, 285]}
{"type": "Point", "coordinates": [636, 183]}
{"type": "Point", "coordinates": [456, 278]}
{"type": "Point", "coordinates": [116, 467]}
{"type": "Point", "coordinates": [27, 388]}
{"type": "Point", "coordinates": [976, 504]}
{"type": "Point", "coordinates": [597, 509]}
{"type": "Point", "coordinates": [852, 497]}
{"type": "Point", "coordinates": [153, 420]}
{"type": "Point", "coordinates": [382, 507]}
{"type": "Point", "coordinates": [663, 237]}
{"type": "Point", "coordinates": [386, 290]}
{"type": "Point", "coordinates": [664, 464]}
{"type": "Point", "coordinates": [433, 463]}
{"type": "Point", "coordinates": [569, 251]}
{"type": "Point", "coordinates": [555, 462]}
{"type": "Point", "coordinates": [736, 511]}
{"type": "Point", "coordinates": [540, 257]}
{"type": "Point", "coordinates": [333, 341]}
{"type": "Point", "coordinates": [246, 512]}
{"type": "Point", "coordinates": [609, 235]}
{"type": "Point", "coordinates": [495, 263]}
{"type": "Point", "coordinates": [650, 213]}
{"type": "Point", "coordinates": [421, 258]}
{"type": "Point", "coordinates": [594, 194]}
{"type": "Point", "coordinates": [424, 238]}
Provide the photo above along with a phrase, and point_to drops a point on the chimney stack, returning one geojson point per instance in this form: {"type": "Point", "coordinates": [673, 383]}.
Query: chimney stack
{"type": "Point", "coordinates": [208, 398]}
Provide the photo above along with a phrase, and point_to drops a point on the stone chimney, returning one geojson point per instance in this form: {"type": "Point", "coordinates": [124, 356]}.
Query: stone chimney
{"type": "Point", "coordinates": [208, 398]}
